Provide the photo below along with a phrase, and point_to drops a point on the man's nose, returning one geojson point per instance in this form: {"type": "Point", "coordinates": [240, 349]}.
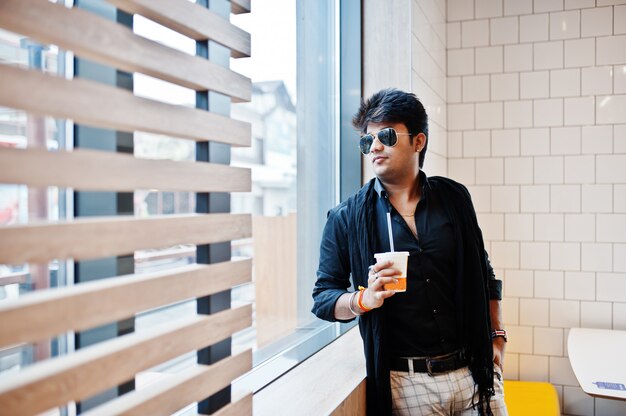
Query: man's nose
{"type": "Point", "coordinates": [377, 145]}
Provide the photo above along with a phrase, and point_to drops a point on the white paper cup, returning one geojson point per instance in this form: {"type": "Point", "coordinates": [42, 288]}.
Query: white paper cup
{"type": "Point", "coordinates": [400, 260]}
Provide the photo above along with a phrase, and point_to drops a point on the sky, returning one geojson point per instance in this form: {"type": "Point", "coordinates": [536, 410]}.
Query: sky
{"type": "Point", "coordinates": [272, 26]}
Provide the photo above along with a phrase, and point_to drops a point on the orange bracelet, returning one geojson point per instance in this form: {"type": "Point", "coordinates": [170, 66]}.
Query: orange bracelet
{"type": "Point", "coordinates": [360, 300]}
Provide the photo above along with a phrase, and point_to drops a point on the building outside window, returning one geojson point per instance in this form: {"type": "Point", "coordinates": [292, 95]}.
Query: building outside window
{"type": "Point", "coordinates": [294, 158]}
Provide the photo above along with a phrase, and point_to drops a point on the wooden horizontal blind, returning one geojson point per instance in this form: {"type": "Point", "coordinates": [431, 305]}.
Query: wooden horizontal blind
{"type": "Point", "coordinates": [48, 313]}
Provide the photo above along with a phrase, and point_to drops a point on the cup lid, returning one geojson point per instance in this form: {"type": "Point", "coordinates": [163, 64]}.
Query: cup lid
{"type": "Point", "coordinates": [405, 253]}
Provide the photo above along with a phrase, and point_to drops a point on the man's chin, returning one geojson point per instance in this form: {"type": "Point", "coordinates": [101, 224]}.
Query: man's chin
{"type": "Point", "coordinates": [381, 172]}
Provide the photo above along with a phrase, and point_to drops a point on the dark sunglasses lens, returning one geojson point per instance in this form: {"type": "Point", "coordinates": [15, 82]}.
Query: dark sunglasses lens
{"type": "Point", "coordinates": [388, 137]}
{"type": "Point", "coordinates": [366, 143]}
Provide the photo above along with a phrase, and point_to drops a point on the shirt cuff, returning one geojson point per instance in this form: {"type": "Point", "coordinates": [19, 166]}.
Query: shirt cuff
{"type": "Point", "coordinates": [324, 305]}
{"type": "Point", "coordinates": [495, 289]}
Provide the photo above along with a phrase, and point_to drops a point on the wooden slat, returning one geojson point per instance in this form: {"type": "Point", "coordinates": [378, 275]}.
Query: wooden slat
{"type": "Point", "coordinates": [109, 171]}
{"type": "Point", "coordinates": [179, 390]}
{"type": "Point", "coordinates": [100, 105]}
{"type": "Point", "coordinates": [73, 377]}
{"type": "Point", "coordinates": [241, 407]}
{"type": "Point", "coordinates": [40, 315]}
{"type": "Point", "coordinates": [168, 253]}
{"type": "Point", "coordinates": [13, 278]}
{"type": "Point", "coordinates": [240, 6]}
{"type": "Point", "coordinates": [190, 19]}
{"type": "Point", "coordinates": [111, 236]}
{"type": "Point", "coordinates": [108, 42]}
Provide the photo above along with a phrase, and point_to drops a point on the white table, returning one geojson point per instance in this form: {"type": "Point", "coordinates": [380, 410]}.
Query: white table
{"type": "Point", "coordinates": [597, 358]}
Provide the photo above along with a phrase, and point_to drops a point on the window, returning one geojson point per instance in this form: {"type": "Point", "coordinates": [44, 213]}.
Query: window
{"type": "Point", "coordinates": [20, 204]}
{"type": "Point", "coordinates": [296, 162]}
{"type": "Point", "coordinates": [295, 114]}
{"type": "Point", "coordinates": [296, 158]}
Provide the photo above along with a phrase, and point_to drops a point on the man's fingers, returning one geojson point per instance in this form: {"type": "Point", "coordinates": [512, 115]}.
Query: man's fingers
{"type": "Point", "coordinates": [389, 272]}
{"type": "Point", "coordinates": [380, 266]}
{"type": "Point", "coordinates": [381, 281]}
{"type": "Point", "coordinates": [384, 294]}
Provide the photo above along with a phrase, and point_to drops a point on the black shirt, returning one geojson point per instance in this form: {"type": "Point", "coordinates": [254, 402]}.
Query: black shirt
{"type": "Point", "coordinates": [420, 321]}
{"type": "Point", "coordinates": [347, 249]}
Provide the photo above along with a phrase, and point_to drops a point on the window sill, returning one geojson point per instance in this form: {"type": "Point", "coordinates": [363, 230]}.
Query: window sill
{"type": "Point", "coordinates": [319, 384]}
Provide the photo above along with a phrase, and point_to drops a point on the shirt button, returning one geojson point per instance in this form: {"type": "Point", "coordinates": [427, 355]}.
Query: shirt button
{"type": "Point", "coordinates": [443, 340]}
{"type": "Point", "coordinates": [434, 311]}
{"type": "Point", "coordinates": [427, 280]}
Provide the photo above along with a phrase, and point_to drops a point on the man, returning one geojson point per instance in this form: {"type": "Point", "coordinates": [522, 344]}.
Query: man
{"type": "Point", "coordinates": [438, 347]}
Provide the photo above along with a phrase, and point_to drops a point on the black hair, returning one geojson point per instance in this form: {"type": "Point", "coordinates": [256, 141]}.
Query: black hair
{"type": "Point", "coordinates": [394, 106]}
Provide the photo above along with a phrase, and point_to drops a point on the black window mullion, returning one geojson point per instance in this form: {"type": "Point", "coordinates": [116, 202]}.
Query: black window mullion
{"type": "Point", "coordinates": [215, 202]}
{"type": "Point", "coordinates": [88, 204]}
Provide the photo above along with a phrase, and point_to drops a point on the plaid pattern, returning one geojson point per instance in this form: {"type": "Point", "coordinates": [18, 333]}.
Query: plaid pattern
{"type": "Point", "coordinates": [444, 394]}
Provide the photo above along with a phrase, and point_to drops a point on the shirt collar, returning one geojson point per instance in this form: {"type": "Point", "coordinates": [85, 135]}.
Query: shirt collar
{"type": "Point", "coordinates": [380, 189]}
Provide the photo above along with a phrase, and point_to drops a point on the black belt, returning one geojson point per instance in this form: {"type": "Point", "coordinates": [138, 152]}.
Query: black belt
{"type": "Point", "coordinates": [431, 365]}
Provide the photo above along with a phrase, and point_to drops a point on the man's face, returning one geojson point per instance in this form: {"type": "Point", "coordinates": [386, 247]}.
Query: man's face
{"type": "Point", "coordinates": [391, 163]}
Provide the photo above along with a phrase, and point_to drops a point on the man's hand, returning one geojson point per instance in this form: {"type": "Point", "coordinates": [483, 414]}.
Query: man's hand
{"type": "Point", "coordinates": [380, 275]}
{"type": "Point", "coordinates": [498, 352]}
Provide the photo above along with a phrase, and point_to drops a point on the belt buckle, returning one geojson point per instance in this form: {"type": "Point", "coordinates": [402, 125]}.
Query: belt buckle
{"type": "Point", "coordinates": [429, 367]}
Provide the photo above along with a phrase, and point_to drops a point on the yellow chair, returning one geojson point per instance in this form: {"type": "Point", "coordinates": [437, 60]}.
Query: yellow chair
{"type": "Point", "coordinates": [524, 398]}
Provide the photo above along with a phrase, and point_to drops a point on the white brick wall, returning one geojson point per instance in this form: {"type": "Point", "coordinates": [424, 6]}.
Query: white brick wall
{"type": "Point", "coordinates": [565, 140]}
{"type": "Point", "coordinates": [489, 60]}
{"type": "Point", "coordinates": [518, 114]}
{"type": "Point", "coordinates": [549, 227]}
{"type": "Point", "coordinates": [548, 55]}
{"type": "Point", "coordinates": [518, 283]}
{"type": "Point", "coordinates": [433, 62]}
{"type": "Point", "coordinates": [476, 143]}
{"type": "Point", "coordinates": [580, 285]}
{"type": "Point", "coordinates": [535, 256]}
{"type": "Point", "coordinates": [565, 25]}
{"type": "Point", "coordinates": [597, 139]}
{"type": "Point", "coordinates": [610, 407]}
{"type": "Point", "coordinates": [537, 129]}
{"type": "Point", "coordinates": [540, 6]}
{"type": "Point", "coordinates": [534, 28]}
{"type": "Point", "coordinates": [521, 339]}
{"type": "Point", "coordinates": [534, 312]}
{"type": "Point", "coordinates": [565, 82]}
{"type": "Point", "coordinates": [596, 22]}
{"type": "Point", "coordinates": [580, 52]}
{"type": "Point", "coordinates": [534, 84]}
{"type": "Point", "coordinates": [580, 227]}
{"type": "Point", "coordinates": [535, 198]}
{"type": "Point", "coordinates": [564, 313]}
{"type": "Point", "coordinates": [548, 284]}
{"type": "Point", "coordinates": [596, 314]}
{"type": "Point", "coordinates": [505, 142]}
{"type": "Point", "coordinates": [548, 341]}
{"type": "Point", "coordinates": [535, 141]}
{"type": "Point", "coordinates": [577, 402]}
{"type": "Point", "coordinates": [505, 199]}
{"type": "Point", "coordinates": [619, 315]}
{"type": "Point", "coordinates": [561, 372]}
{"type": "Point", "coordinates": [533, 367]}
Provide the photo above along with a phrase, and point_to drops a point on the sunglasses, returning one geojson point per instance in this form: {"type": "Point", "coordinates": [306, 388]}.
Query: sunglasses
{"type": "Point", "coordinates": [388, 137]}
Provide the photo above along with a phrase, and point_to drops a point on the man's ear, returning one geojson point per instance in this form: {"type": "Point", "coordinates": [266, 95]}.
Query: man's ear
{"type": "Point", "coordinates": [420, 142]}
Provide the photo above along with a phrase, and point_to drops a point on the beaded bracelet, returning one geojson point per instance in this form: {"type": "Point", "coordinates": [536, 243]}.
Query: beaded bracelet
{"type": "Point", "coordinates": [360, 300]}
{"type": "Point", "coordinates": [499, 333]}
